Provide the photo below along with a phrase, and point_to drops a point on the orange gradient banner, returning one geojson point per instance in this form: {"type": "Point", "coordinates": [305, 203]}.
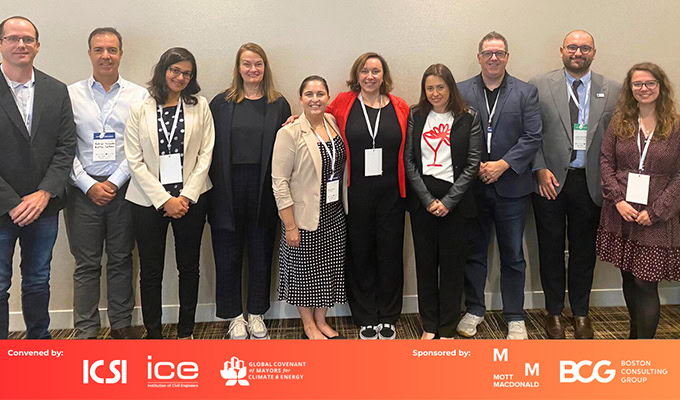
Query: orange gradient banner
{"type": "Point", "coordinates": [223, 369]}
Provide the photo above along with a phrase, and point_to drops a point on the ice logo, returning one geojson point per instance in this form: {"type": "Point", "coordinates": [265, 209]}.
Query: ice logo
{"type": "Point", "coordinates": [234, 372]}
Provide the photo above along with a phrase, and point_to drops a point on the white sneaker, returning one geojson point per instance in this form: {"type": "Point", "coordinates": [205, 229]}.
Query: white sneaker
{"type": "Point", "coordinates": [238, 328]}
{"type": "Point", "coordinates": [517, 330]}
{"type": "Point", "coordinates": [387, 332]}
{"type": "Point", "coordinates": [256, 327]}
{"type": "Point", "coordinates": [467, 326]}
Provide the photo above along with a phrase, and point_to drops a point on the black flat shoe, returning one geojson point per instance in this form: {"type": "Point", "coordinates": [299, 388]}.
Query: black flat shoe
{"type": "Point", "coordinates": [336, 337]}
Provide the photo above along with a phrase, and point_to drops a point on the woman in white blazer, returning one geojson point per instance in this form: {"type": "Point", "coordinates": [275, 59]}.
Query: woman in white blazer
{"type": "Point", "coordinates": [169, 140]}
{"type": "Point", "coordinates": [308, 180]}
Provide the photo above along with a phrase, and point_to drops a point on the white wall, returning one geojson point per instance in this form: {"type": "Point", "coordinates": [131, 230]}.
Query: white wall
{"type": "Point", "coordinates": [324, 37]}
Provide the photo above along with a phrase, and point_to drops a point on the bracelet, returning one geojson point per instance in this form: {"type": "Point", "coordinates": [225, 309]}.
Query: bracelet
{"type": "Point", "coordinates": [291, 229]}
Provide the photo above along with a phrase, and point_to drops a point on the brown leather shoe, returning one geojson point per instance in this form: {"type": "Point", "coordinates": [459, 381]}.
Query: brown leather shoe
{"type": "Point", "coordinates": [553, 327]}
{"type": "Point", "coordinates": [582, 328]}
{"type": "Point", "coordinates": [124, 333]}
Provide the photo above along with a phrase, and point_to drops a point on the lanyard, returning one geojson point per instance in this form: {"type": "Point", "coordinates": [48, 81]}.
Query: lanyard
{"type": "Point", "coordinates": [169, 136]}
{"type": "Point", "coordinates": [643, 155]}
{"type": "Point", "coordinates": [493, 110]}
{"type": "Point", "coordinates": [371, 131]}
{"type": "Point", "coordinates": [99, 111]}
{"type": "Point", "coordinates": [333, 154]}
{"type": "Point", "coordinates": [581, 108]}
{"type": "Point", "coordinates": [491, 113]}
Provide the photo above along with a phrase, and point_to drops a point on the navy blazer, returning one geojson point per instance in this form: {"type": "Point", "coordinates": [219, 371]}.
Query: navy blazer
{"type": "Point", "coordinates": [517, 131]}
{"type": "Point", "coordinates": [466, 147]}
{"type": "Point", "coordinates": [43, 159]}
{"type": "Point", "coordinates": [221, 205]}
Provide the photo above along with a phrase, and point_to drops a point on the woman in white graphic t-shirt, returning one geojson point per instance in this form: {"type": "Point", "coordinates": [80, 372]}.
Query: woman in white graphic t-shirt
{"type": "Point", "coordinates": [443, 149]}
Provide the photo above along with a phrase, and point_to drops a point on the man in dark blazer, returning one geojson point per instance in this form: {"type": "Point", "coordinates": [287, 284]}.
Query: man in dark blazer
{"type": "Point", "coordinates": [567, 167]}
{"type": "Point", "coordinates": [511, 123]}
{"type": "Point", "coordinates": [37, 144]}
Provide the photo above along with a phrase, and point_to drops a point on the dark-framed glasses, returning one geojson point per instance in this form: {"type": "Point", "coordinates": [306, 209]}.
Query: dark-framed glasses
{"type": "Point", "coordinates": [651, 85]}
{"type": "Point", "coordinates": [28, 40]}
{"type": "Point", "coordinates": [487, 54]}
{"type": "Point", "coordinates": [585, 49]}
{"type": "Point", "coordinates": [177, 72]}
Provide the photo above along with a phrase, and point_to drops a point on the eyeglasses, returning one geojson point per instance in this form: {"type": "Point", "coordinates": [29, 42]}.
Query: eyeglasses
{"type": "Point", "coordinates": [28, 40]}
{"type": "Point", "coordinates": [487, 54]}
{"type": "Point", "coordinates": [651, 85]}
{"type": "Point", "coordinates": [585, 49]}
{"type": "Point", "coordinates": [177, 72]}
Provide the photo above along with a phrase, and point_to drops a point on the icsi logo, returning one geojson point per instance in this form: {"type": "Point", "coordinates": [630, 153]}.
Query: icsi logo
{"type": "Point", "coordinates": [116, 367]}
{"type": "Point", "coordinates": [235, 372]}
{"type": "Point", "coordinates": [570, 372]}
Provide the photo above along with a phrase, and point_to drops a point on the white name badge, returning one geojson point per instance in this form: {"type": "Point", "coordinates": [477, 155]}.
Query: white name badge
{"type": "Point", "coordinates": [171, 169]}
{"type": "Point", "coordinates": [104, 146]}
{"type": "Point", "coordinates": [637, 190]}
{"type": "Point", "coordinates": [373, 162]}
{"type": "Point", "coordinates": [580, 136]}
{"type": "Point", "coordinates": [332, 191]}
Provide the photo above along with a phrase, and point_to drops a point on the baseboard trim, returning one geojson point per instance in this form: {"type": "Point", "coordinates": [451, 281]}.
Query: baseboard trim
{"type": "Point", "coordinates": [63, 319]}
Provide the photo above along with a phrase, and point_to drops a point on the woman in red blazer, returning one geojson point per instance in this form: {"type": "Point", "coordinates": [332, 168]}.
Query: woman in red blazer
{"type": "Point", "coordinates": [373, 125]}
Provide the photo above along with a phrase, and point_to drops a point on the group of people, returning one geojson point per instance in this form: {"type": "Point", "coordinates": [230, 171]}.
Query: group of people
{"type": "Point", "coordinates": [125, 162]}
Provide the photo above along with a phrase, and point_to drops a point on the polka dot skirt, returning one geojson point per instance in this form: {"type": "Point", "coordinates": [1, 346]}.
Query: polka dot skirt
{"type": "Point", "coordinates": [649, 263]}
{"type": "Point", "coordinates": [313, 274]}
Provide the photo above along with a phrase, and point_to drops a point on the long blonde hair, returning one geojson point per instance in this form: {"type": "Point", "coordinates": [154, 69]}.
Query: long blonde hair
{"type": "Point", "coordinates": [626, 117]}
{"type": "Point", "coordinates": [236, 92]}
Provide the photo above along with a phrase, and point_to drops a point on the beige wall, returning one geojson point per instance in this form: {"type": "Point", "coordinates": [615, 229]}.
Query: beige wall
{"type": "Point", "coordinates": [323, 37]}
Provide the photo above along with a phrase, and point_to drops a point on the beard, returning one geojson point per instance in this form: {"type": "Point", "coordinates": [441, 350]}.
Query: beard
{"type": "Point", "coordinates": [577, 69]}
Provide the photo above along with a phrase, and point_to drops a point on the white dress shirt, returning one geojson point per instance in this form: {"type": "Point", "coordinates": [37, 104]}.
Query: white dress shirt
{"type": "Point", "coordinates": [91, 105]}
{"type": "Point", "coordinates": [23, 96]}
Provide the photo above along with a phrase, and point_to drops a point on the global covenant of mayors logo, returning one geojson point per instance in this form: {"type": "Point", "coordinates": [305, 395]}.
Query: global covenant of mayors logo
{"type": "Point", "coordinates": [235, 372]}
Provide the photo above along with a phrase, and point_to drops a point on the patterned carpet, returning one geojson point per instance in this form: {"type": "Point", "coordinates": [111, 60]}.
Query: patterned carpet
{"type": "Point", "coordinates": [608, 323]}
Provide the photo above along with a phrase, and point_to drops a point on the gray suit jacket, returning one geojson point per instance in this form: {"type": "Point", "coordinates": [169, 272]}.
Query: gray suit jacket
{"type": "Point", "coordinates": [555, 153]}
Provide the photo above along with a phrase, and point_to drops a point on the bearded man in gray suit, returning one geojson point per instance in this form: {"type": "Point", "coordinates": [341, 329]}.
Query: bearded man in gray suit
{"type": "Point", "coordinates": [576, 107]}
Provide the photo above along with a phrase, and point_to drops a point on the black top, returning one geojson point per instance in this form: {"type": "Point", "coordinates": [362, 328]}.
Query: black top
{"type": "Point", "coordinates": [246, 130]}
{"type": "Point", "coordinates": [388, 139]}
{"type": "Point", "coordinates": [492, 94]}
{"type": "Point", "coordinates": [176, 144]}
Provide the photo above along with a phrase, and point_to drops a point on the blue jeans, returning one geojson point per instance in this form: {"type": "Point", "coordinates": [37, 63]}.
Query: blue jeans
{"type": "Point", "coordinates": [36, 241]}
{"type": "Point", "coordinates": [509, 216]}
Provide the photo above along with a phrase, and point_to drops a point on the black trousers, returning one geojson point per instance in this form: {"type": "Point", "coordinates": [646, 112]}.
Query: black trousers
{"type": "Point", "coordinates": [441, 249]}
{"type": "Point", "coordinates": [228, 249]}
{"type": "Point", "coordinates": [375, 270]}
{"type": "Point", "coordinates": [151, 229]}
{"type": "Point", "coordinates": [573, 212]}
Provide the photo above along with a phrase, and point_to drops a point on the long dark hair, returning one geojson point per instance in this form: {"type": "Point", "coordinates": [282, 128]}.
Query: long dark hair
{"type": "Point", "coordinates": [158, 88]}
{"type": "Point", "coordinates": [456, 104]}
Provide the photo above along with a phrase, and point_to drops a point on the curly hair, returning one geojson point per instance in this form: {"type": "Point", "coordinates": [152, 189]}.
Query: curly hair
{"type": "Point", "coordinates": [626, 117]}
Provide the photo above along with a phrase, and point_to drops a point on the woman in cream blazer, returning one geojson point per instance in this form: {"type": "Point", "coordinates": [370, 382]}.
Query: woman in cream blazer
{"type": "Point", "coordinates": [169, 140]}
{"type": "Point", "coordinates": [309, 185]}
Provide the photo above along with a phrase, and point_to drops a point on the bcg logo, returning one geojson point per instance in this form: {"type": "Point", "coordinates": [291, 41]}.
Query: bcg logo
{"type": "Point", "coordinates": [570, 372]}
{"type": "Point", "coordinates": [117, 368]}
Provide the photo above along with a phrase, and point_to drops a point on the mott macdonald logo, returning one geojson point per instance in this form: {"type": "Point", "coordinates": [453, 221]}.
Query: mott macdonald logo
{"type": "Point", "coordinates": [234, 372]}
{"type": "Point", "coordinates": [571, 371]}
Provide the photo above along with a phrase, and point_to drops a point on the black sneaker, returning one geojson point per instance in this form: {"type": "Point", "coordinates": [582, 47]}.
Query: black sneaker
{"type": "Point", "coordinates": [368, 332]}
{"type": "Point", "coordinates": [387, 331]}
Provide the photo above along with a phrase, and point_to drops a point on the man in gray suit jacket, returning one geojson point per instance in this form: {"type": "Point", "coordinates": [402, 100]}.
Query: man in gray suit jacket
{"type": "Point", "coordinates": [37, 145]}
{"type": "Point", "coordinates": [576, 106]}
